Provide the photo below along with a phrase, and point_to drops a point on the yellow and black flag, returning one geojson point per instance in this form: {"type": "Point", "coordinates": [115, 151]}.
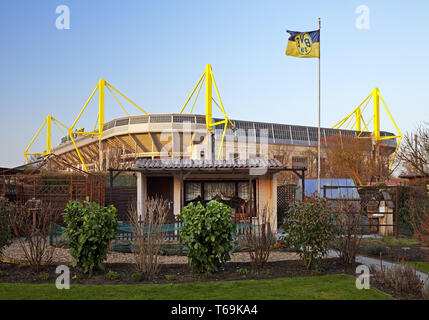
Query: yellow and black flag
{"type": "Point", "coordinates": [303, 44]}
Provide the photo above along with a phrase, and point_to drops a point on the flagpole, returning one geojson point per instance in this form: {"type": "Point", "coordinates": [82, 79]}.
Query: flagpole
{"type": "Point", "coordinates": [318, 128]}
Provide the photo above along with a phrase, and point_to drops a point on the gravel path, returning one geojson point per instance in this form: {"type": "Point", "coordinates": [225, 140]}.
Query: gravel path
{"type": "Point", "coordinates": [61, 255]}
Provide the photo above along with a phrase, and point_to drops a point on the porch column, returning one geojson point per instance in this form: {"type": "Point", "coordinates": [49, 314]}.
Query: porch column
{"type": "Point", "coordinates": [274, 191]}
{"type": "Point", "coordinates": [141, 193]}
{"type": "Point", "coordinates": [177, 194]}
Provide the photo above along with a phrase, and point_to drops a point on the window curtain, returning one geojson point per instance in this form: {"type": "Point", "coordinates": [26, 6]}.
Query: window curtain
{"type": "Point", "coordinates": [243, 190]}
{"type": "Point", "coordinates": [223, 189]}
{"type": "Point", "coordinates": [193, 190]}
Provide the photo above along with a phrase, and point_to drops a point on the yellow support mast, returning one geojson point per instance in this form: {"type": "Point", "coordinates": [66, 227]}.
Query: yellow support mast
{"type": "Point", "coordinates": [358, 119]}
{"type": "Point", "coordinates": [102, 84]}
{"type": "Point", "coordinates": [48, 122]}
{"type": "Point", "coordinates": [376, 100]}
{"type": "Point", "coordinates": [208, 77]}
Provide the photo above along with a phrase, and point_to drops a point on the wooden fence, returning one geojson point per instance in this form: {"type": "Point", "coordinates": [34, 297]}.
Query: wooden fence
{"type": "Point", "coordinates": [56, 189]}
{"type": "Point", "coordinates": [122, 197]}
{"type": "Point", "coordinates": [172, 231]}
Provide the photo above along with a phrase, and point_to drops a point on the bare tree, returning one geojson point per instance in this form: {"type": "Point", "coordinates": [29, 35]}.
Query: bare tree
{"type": "Point", "coordinates": [259, 239]}
{"type": "Point", "coordinates": [113, 158]}
{"type": "Point", "coordinates": [32, 224]}
{"type": "Point", "coordinates": [360, 159]}
{"type": "Point", "coordinates": [414, 150]}
{"type": "Point", "coordinates": [148, 234]}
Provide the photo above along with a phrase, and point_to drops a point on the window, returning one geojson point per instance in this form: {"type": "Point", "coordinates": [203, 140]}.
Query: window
{"type": "Point", "coordinates": [243, 190]}
{"type": "Point", "coordinates": [234, 193]}
{"type": "Point", "coordinates": [193, 191]}
{"type": "Point", "coordinates": [222, 190]}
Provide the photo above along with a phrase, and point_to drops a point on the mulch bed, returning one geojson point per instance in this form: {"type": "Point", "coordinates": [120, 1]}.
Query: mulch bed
{"type": "Point", "coordinates": [392, 292]}
{"type": "Point", "coordinates": [396, 253]}
{"type": "Point", "coordinates": [274, 269]}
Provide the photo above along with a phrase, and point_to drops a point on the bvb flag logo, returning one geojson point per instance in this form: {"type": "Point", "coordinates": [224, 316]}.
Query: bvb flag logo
{"type": "Point", "coordinates": [304, 43]}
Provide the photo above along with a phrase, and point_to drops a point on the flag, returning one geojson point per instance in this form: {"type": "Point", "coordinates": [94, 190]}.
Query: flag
{"type": "Point", "coordinates": [303, 44]}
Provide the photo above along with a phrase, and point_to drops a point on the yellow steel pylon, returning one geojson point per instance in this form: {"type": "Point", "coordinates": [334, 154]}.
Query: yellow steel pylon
{"type": "Point", "coordinates": [48, 122]}
{"type": "Point", "coordinates": [356, 115]}
{"type": "Point", "coordinates": [102, 84]}
{"type": "Point", "coordinates": [208, 77]}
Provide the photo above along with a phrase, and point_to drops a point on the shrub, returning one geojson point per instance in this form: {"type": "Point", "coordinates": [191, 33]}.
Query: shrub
{"type": "Point", "coordinates": [310, 227]}
{"type": "Point", "coordinates": [267, 273]}
{"type": "Point", "coordinates": [423, 232]}
{"type": "Point", "coordinates": [402, 278]}
{"type": "Point", "coordinates": [137, 277]}
{"type": "Point", "coordinates": [5, 228]}
{"type": "Point", "coordinates": [347, 242]}
{"type": "Point", "coordinates": [32, 224]}
{"type": "Point", "coordinates": [78, 276]}
{"type": "Point", "coordinates": [90, 228]}
{"type": "Point", "coordinates": [44, 276]}
{"type": "Point", "coordinates": [279, 244]}
{"type": "Point", "coordinates": [207, 232]}
{"type": "Point", "coordinates": [259, 240]}
{"type": "Point", "coordinates": [149, 233]}
{"type": "Point", "coordinates": [170, 277]}
{"type": "Point", "coordinates": [3, 273]}
{"type": "Point", "coordinates": [112, 276]}
{"type": "Point", "coordinates": [374, 249]}
{"type": "Point", "coordinates": [242, 271]}
{"type": "Point", "coordinates": [418, 206]}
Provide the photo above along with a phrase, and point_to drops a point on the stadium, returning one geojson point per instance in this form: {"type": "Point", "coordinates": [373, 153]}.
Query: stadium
{"type": "Point", "coordinates": [185, 157]}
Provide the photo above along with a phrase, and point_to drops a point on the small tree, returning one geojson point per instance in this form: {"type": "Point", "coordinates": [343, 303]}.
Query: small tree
{"type": "Point", "coordinates": [310, 227]}
{"type": "Point", "coordinates": [259, 240]}
{"type": "Point", "coordinates": [149, 233]}
{"type": "Point", "coordinates": [90, 228]}
{"type": "Point", "coordinates": [207, 232]}
{"type": "Point", "coordinates": [32, 224]}
{"type": "Point", "coordinates": [5, 227]}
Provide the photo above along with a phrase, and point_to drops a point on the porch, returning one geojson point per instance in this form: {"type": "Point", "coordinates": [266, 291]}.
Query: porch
{"type": "Point", "coordinates": [248, 186]}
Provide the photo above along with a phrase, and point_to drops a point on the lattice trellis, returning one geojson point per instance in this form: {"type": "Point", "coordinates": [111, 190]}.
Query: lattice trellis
{"type": "Point", "coordinates": [285, 195]}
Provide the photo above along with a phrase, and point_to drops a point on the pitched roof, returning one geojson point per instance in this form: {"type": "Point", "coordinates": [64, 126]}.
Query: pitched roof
{"type": "Point", "coordinates": [209, 164]}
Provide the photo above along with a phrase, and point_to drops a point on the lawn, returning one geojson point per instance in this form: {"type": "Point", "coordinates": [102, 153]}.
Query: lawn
{"type": "Point", "coordinates": [339, 287]}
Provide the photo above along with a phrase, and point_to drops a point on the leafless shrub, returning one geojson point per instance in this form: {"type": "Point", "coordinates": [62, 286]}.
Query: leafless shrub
{"type": "Point", "coordinates": [32, 224]}
{"type": "Point", "coordinates": [348, 240]}
{"type": "Point", "coordinates": [259, 239]}
{"type": "Point", "coordinates": [148, 234]}
{"type": "Point", "coordinates": [402, 278]}
{"type": "Point", "coordinates": [425, 290]}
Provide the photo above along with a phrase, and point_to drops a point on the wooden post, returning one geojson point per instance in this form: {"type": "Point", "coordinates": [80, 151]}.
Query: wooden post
{"type": "Point", "coordinates": [397, 211]}
{"type": "Point", "coordinates": [303, 184]}
{"type": "Point", "coordinates": [251, 198]}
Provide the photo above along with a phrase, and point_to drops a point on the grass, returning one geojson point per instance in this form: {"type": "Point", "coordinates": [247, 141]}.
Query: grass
{"type": "Point", "coordinates": [337, 287]}
{"type": "Point", "coordinates": [419, 265]}
{"type": "Point", "coordinates": [392, 241]}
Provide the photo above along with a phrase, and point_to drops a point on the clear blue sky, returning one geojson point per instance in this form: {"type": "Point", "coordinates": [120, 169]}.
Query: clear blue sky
{"type": "Point", "coordinates": [155, 51]}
